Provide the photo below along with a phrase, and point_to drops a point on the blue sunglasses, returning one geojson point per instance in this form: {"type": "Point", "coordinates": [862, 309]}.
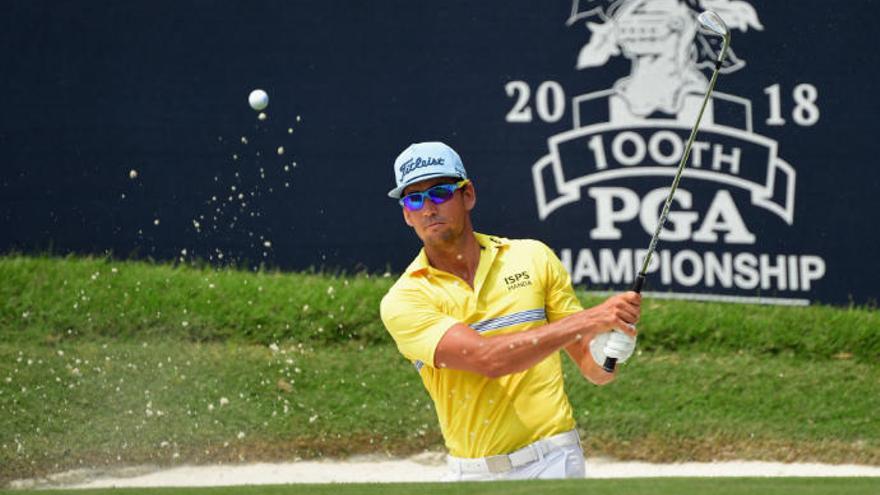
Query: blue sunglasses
{"type": "Point", "coordinates": [439, 194]}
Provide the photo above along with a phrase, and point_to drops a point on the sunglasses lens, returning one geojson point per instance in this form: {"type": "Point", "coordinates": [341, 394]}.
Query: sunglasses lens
{"type": "Point", "coordinates": [413, 201]}
{"type": "Point", "coordinates": [440, 194]}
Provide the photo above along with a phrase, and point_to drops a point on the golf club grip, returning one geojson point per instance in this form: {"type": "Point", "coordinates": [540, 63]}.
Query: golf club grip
{"type": "Point", "coordinates": [609, 364]}
{"type": "Point", "coordinates": [638, 283]}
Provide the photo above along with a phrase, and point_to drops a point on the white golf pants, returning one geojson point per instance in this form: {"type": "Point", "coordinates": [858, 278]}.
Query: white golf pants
{"type": "Point", "coordinates": [560, 456]}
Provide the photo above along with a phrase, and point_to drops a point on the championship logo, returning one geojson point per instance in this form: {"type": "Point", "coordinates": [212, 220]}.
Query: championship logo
{"type": "Point", "coordinates": [626, 141]}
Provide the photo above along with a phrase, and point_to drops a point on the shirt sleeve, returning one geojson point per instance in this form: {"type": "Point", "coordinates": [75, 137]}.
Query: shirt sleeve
{"type": "Point", "coordinates": [560, 300]}
{"type": "Point", "coordinates": [415, 324]}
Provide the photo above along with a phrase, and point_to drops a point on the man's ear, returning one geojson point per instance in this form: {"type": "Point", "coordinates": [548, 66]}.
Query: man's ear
{"type": "Point", "coordinates": [470, 196]}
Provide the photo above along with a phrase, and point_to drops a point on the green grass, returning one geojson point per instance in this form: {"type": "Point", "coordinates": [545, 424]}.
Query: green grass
{"type": "Point", "coordinates": [646, 486]}
{"type": "Point", "coordinates": [53, 299]}
{"type": "Point", "coordinates": [102, 404]}
{"type": "Point", "coordinates": [108, 363]}
{"type": "Point", "coordinates": [84, 298]}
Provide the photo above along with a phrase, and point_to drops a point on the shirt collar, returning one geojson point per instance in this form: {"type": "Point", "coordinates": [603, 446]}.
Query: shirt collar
{"type": "Point", "coordinates": [420, 265]}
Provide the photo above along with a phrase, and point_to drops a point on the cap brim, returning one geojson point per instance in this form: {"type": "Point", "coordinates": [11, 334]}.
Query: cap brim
{"type": "Point", "coordinates": [397, 192]}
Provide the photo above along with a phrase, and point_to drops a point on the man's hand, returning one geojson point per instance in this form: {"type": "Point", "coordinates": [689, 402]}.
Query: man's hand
{"type": "Point", "coordinates": [618, 341]}
{"type": "Point", "coordinates": [620, 312]}
{"type": "Point", "coordinates": [612, 344]}
{"type": "Point", "coordinates": [617, 312]}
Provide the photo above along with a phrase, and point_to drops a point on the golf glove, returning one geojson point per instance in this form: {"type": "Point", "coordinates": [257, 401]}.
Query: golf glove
{"type": "Point", "coordinates": [614, 344]}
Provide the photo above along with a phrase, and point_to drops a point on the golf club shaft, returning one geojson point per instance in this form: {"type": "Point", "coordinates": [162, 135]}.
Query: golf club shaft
{"type": "Point", "coordinates": [639, 282]}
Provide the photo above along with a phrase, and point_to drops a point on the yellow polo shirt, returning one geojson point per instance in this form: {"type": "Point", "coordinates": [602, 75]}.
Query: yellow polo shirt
{"type": "Point", "coordinates": [519, 284]}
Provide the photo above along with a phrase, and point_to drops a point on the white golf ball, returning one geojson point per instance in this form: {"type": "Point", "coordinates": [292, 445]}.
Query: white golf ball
{"type": "Point", "coordinates": [132, 174]}
{"type": "Point", "coordinates": [258, 99]}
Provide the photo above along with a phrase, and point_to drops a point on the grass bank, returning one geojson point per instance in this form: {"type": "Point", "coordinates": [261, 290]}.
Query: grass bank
{"type": "Point", "coordinates": [51, 299]}
{"type": "Point", "coordinates": [110, 363]}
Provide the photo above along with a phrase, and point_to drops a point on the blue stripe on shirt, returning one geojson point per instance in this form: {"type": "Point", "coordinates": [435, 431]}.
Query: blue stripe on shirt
{"type": "Point", "coordinates": [510, 320]}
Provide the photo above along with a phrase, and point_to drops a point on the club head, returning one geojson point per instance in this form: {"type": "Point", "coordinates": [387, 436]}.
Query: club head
{"type": "Point", "coordinates": [713, 22]}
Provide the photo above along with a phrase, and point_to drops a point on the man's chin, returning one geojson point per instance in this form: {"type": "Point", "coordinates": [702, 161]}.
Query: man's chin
{"type": "Point", "coordinates": [437, 233]}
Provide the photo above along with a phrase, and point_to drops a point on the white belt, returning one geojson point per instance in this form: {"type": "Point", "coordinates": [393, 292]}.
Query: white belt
{"type": "Point", "coordinates": [505, 462]}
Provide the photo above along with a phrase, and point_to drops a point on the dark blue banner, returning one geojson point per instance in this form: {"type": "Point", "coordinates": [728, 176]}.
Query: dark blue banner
{"type": "Point", "coordinates": [125, 128]}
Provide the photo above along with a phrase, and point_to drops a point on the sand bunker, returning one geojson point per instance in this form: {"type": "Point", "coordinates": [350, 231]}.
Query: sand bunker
{"type": "Point", "coordinates": [420, 468]}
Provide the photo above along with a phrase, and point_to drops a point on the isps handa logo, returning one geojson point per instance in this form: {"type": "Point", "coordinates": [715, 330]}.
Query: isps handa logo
{"type": "Point", "coordinates": [517, 280]}
{"type": "Point", "coordinates": [614, 167]}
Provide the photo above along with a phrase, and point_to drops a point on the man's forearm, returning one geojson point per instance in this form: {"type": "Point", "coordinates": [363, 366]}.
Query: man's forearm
{"type": "Point", "coordinates": [580, 354]}
{"type": "Point", "coordinates": [463, 348]}
{"type": "Point", "coordinates": [511, 353]}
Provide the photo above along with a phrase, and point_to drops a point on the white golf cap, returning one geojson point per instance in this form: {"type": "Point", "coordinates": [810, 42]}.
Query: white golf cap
{"type": "Point", "coordinates": [423, 161]}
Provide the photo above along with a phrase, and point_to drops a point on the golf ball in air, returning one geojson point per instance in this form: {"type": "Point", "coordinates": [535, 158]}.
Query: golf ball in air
{"type": "Point", "coordinates": [258, 99]}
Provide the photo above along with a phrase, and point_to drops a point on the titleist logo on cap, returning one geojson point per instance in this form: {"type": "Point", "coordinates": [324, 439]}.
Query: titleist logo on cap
{"type": "Point", "coordinates": [416, 163]}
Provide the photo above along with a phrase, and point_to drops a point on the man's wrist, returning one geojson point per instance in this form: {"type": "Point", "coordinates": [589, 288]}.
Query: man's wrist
{"type": "Point", "coordinates": [579, 329]}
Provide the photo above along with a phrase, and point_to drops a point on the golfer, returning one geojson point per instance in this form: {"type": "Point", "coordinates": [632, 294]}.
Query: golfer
{"type": "Point", "coordinates": [482, 318]}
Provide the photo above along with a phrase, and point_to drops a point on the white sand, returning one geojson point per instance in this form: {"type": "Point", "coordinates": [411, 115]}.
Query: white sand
{"type": "Point", "coordinates": [423, 467]}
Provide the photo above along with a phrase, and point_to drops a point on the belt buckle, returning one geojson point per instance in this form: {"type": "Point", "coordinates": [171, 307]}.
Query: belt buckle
{"type": "Point", "coordinates": [499, 464]}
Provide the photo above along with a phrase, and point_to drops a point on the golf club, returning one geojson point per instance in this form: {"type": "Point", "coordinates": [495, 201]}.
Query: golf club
{"type": "Point", "coordinates": [711, 22]}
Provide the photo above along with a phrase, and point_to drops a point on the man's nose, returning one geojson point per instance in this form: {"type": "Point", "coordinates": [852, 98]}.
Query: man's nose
{"type": "Point", "coordinates": [428, 208]}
